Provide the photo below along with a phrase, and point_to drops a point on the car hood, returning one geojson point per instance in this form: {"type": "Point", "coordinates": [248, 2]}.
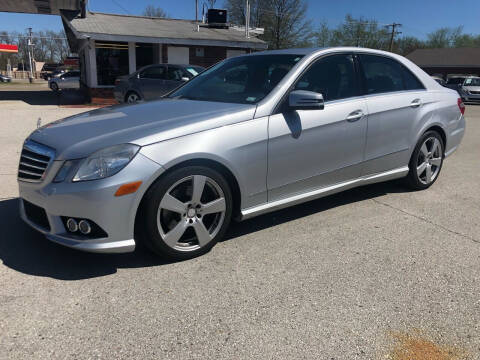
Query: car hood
{"type": "Point", "coordinates": [142, 124]}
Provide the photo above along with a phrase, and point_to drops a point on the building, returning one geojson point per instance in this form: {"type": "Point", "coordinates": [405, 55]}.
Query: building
{"type": "Point", "coordinates": [447, 61]}
{"type": "Point", "coordinates": [112, 45]}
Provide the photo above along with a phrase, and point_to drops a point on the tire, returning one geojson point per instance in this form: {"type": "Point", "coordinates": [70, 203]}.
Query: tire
{"type": "Point", "coordinates": [54, 86]}
{"type": "Point", "coordinates": [175, 223]}
{"type": "Point", "coordinates": [426, 161]}
{"type": "Point", "coordinates": [132, 97]}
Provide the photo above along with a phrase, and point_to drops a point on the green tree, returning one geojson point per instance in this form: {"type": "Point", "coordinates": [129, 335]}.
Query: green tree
{"type": "Point", "coordinates": [408, 44]}
{"type": "Point", "coordinates": [444, 37]}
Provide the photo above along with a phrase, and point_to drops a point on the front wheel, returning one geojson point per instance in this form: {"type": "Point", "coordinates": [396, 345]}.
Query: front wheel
{"type": "Point", "coordinates": [54, 86]}
{"type": "Point", "coordinates": [187, 212]}
{"type": "Point", "coordinates": [426, 161]}
{"type": "Point", "coordinates": [132, 98]}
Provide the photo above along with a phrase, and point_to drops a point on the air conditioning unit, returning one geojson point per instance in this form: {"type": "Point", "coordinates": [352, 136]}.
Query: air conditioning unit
{"type": "Point", "coordinates": [217, 16]}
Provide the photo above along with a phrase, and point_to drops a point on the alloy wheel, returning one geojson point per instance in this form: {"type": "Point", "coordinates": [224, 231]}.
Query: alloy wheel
{"type": "Point", "coordinates": [429, 160]}
{"type": "Point", "coordinates": [132, 98]}
{"type": "Point", "coordinates": [191, 213]}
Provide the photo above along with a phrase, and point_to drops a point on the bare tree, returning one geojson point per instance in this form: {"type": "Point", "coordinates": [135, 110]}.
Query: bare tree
{"type": "Point", "coordinates": [211, 4]}
{"type": "Point", "coordinates": [286, 25]}
{"type": "Point", "coordinates": [284, 21]}
{"type": "Point", "coordinates": [153, 11]}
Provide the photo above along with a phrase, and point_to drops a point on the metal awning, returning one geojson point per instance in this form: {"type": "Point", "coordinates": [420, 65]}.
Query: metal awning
{"type": "Point", "coordinates": [49, 7]}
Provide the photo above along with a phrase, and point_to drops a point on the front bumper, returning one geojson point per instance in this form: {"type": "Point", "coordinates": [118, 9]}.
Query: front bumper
{"type": "Point", "coordinates": [93, 200]}
{"type": "Point", "coordinates": [470, 98]}
{"type": "Point", "coordinates": [118, 95]}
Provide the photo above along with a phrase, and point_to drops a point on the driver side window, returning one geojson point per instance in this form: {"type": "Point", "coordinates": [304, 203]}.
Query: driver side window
{"type": "Point", "coordinates": [333, 76]}
{"type": "Point", "coordinates": [154, 72]}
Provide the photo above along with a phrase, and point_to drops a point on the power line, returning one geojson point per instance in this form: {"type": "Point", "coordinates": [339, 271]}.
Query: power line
{"type": "Point", "coordinates": [33, 37]}
{"type": "Point", "coordinates": [121, 7]}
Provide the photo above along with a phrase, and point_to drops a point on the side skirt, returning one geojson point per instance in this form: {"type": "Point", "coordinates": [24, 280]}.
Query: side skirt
{"type": "Point", "coordinates": [319, 193]}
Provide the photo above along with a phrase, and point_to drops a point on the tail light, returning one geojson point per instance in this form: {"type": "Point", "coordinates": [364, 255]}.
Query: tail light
{"type": "Point", "coordinates": [461, 106]}
{"type": "Point", "coordinates": [117, 81]}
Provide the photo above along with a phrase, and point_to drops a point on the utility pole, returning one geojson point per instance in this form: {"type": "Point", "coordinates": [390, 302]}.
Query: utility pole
{"type": "Point", "coordinates": [30, 54]}
{"type": "Point", "coordinates": [392, 36]}
{"type": "Point", "coordinates": [196, 10]}
{"type": "Point", "coordinates": [247, 18]}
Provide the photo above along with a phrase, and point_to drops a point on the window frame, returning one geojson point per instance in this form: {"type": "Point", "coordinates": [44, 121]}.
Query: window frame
{"type": "Point", "coordinates": [151, 67]}
{"type": "Point", "coordinates": [402, 67]}
{"type": "Point", "coordinates": [281, 103]}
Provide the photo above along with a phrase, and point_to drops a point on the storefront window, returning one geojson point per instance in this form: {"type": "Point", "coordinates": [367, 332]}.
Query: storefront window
{"type": "Point", "coordinates": [144, 54]}
{"type": "Point", "coordinates": [112, 61]}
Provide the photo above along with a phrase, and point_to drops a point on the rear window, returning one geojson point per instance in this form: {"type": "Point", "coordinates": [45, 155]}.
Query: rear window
{"type": "Point", "coordinates": [383, 75]}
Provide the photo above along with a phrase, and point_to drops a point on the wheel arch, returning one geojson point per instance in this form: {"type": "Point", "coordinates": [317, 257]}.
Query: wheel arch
{"type": "Point", "coordinates": [441, 132]}
{"type": "Point", "coordinates": [206, 162]}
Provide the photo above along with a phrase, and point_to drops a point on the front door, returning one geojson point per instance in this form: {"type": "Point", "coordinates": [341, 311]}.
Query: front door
{"type": "Point", "coordinates": [311, 149]}
{"type": "Point", "coordinates": [174, 77]}
{"type": "Point", "coordinates": [152, 81]}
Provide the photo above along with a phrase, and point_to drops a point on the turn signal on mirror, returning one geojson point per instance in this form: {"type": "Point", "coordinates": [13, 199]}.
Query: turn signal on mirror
{"type": "Point", "coordinates": [129, 188]}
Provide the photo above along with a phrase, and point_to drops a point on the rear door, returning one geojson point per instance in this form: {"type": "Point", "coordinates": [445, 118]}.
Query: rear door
{"type": "Point", "coordinates": [152, 81]}
{"type": "Point", "coordinates": [396, 101]}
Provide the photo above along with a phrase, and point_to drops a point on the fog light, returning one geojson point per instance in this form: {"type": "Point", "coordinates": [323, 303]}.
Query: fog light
{"type": "Point", "coordinates": [84, 227]}
{"type": "Point", "coordinates": [72, 225]}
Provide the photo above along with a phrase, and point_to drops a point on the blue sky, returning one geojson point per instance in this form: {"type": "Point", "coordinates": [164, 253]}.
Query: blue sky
{"type": "Point", "coordinates": [419, 17]}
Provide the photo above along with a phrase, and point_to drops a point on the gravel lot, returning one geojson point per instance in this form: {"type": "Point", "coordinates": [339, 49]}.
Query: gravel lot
{"type": "Point", "coordinates": [374, 273]}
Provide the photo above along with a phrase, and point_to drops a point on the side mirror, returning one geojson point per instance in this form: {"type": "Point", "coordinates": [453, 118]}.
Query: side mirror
{"type": "Point", "coordinates": [184, 79]}
{"type": "Point", "coordinates": [305, 100]}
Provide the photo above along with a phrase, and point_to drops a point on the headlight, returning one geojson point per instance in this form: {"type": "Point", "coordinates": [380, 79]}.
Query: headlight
{"type": "Point", "coordinates": [106, 162]}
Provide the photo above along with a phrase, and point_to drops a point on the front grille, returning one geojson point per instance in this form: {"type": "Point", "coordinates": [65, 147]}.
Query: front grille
{"type": "Point", "coordinates": [34, 161]}
{"type": "Point", "coordinates": [36, 214]}
{"type": "Point", "coordinates": [474, 92]}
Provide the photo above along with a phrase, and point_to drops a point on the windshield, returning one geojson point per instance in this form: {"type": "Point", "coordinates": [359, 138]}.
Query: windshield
{"type": "Point", "coordinates": [242, 80]}
{"type": "Point", "coordinates": [455, 81]}
{"type": "Point", "coordinates": [472, 82]}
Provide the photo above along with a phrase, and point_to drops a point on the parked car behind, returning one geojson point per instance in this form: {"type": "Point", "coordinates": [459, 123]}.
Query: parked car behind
{"type": "Point", "coordinates": [455, 82]}
{"type": "Point", "coordinates": [48, 69]}
{"type": "Point", "coordinates": [152, 81]}
{"type": "Point", "coordinates": [251, 135]}
{"type": "Point", "coordinates": [55, 73]}
{"type": "Point", "coordinates": [439, 80]}
{"type": "Point", "coordinates": [5, 78]}
{"type": "Point", "coordinates": [67, 80]}
{"type": "Point", "coordinates": [470, 89]}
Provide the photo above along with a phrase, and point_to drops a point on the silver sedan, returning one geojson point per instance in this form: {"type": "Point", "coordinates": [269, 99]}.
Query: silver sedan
{"type": "Point", "coordinates": [250, 135]}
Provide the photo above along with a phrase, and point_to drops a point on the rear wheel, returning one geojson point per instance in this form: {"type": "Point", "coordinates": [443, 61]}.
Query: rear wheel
{"type": "Point", "coordinates": [187, 212]}
{"type": "Point", "coordinates": [54, 86]}
{"type": "Point", "coordinates": [132, 98]}
{"type": "Point", "coordinates": [426, 161]}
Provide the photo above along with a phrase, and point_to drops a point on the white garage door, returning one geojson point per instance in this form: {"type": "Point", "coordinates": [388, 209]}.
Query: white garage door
{"type": "Point", "coordinates": [178, 55]}
{"type": "Point", "coordinates": [232, 53]}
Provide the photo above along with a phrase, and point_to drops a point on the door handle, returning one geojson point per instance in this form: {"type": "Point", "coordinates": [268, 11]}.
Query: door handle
{"type": "Point", "coordinates": [355, 116]}
{"type": "Point", "coordinates": [416, 103]}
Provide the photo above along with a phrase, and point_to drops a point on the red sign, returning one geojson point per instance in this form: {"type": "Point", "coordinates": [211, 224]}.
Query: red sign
{"type": "Point", "coordinates": [8, 48]}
